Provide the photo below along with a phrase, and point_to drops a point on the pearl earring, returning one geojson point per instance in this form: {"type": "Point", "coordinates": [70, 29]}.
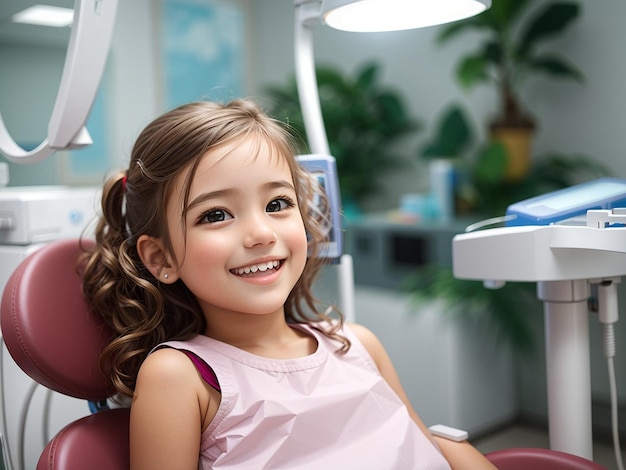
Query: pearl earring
{"type": "Point", "coordinates": [166, 276]}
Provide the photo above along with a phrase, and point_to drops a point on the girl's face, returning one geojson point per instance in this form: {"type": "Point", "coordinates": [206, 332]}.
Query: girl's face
{"type": "Point", "coordinates": [245, 246]}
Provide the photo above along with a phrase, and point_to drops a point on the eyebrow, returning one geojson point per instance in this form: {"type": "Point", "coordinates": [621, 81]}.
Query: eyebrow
{"type": "Point", "coordinates": [279, 184]}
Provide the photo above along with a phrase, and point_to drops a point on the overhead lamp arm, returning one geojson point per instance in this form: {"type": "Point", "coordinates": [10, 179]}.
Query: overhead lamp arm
{"type": "Point", "coordinates": [375, 15]}
{"type": "Point", "coordinates": [308, 16]}
{"type": "Point", "coordinates": [84, 64]}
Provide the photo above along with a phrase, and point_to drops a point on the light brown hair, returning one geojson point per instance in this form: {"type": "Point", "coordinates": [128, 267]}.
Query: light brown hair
{"type": "Point", "coordinates": [142, 311]}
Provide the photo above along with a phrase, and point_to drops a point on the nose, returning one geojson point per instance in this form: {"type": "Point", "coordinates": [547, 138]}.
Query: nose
{"type": "Point", "coordinates": [259, 231]}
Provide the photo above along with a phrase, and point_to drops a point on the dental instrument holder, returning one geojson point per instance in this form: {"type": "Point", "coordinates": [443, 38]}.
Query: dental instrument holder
{"type": "Point", "coordinates": [564, 260]}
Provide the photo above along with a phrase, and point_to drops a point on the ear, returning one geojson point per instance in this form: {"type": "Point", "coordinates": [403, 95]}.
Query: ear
{"type": "Point", "coordinates": [154, 257]}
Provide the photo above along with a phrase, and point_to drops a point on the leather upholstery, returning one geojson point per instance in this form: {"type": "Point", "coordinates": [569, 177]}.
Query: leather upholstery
{"type": "Point", "coordinates": [51, 334]}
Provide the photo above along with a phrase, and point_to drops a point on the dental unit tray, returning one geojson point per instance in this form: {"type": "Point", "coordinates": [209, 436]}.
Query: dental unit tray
{"type": "Point", "coordinates": [542, 244]}
{"type": "Point", "coordinates": [568, 203]}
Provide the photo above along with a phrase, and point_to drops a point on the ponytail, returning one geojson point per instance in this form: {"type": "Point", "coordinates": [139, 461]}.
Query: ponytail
{"type": "Point", "coordinates": [122, 291]}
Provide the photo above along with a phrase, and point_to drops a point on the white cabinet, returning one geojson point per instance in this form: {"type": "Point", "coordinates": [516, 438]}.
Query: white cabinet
{"type": "Point", "coordinates": [451, 370]}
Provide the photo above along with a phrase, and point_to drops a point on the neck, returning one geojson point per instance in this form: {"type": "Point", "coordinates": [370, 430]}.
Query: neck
{"type": "Point", "coordinates": [240, 329]}
{"type": "Point", "coordinates": [267, 335]}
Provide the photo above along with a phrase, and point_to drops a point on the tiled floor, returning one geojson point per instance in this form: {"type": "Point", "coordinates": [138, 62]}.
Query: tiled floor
{"type": "Point", "coordinates": [530, 436]}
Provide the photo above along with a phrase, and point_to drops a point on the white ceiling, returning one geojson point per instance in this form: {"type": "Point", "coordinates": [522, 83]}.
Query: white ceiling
{"type": "Point", "coordinates": [29, 35]}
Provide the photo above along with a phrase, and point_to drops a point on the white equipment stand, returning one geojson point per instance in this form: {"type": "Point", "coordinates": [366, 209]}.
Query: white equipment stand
{"type": "Point", "coordinates": [564, 260]}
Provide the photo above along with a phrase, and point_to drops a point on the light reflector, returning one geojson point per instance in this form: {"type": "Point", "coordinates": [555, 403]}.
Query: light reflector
{"type": "Point", "coordinates": [45, 15]}
{"type": "Point", "coordinates": [396, 15]}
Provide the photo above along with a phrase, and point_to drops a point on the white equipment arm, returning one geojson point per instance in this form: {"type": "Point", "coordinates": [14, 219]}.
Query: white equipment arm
{"type": "Point", "coordinates": [84, 63]}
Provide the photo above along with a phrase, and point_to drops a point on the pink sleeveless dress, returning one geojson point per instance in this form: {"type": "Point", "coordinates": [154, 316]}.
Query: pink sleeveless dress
{"type": "Point", "coordinates": [324, 411]}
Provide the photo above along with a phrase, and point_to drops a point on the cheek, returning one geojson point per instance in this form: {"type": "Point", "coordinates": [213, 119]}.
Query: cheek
{"type": "Point", "coordinates": [202, 252]}
{"type": "Point", "coordinates": [299, 244]}
{"type": "Point", "coordinates": [215, 245]}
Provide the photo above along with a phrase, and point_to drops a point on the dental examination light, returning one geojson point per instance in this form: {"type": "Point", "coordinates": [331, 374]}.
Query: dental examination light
{"type": "Point", "coordinates": [570, 242]}
{"type": "Point", "coordinates": [362, 16]}
{"type": "Point", "coordinates": [87, 51]}
{"type": "Point", "coordinates": [359, 16]}
{"type": "Point", "coordinates": [396, 15]}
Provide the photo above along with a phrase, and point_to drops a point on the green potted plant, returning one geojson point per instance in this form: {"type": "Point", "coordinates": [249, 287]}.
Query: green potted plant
{"type": "Point", "coordinates": [509, 54]}
{"type": "Point", "coordinates": [483, 192]}
{"type": "Point", "coordinates": [363, 119]}
{"type": "Point", "coordinates": [483, 189]}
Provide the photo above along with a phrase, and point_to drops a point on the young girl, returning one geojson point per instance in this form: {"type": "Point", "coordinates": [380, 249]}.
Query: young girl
{"type": "Point", "coordinates": [203, 267]}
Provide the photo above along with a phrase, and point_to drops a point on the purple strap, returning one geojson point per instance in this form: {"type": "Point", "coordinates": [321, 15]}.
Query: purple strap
{"type": "Point", "coordinates": [205, 370]}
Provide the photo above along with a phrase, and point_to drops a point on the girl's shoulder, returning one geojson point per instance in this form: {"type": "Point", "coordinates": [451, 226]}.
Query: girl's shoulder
{"type": "Point", "coordinates": [364, 334]}
{"type": "Point", "coordinates": [169, 395]}
{"type": "Point", "coordinates": [369, 340]}
{"type": "Point", "coordinates": [167, 374]}
{"type": "Point", "coordinates": [361, 338]}
{"type": "Point", "coordinates": [166, 365]}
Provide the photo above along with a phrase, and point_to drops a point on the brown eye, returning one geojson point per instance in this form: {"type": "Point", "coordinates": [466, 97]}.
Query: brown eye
{"type": "Point", "coordinates": [215, 215]}
{"type": "Point", "coordinates": [279, 204]}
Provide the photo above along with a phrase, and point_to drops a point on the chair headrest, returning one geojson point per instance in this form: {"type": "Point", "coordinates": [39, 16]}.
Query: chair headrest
{"type": "Point", "coordinates": [47, 326]}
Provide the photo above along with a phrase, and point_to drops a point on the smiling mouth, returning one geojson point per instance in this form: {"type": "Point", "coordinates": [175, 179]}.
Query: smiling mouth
{"type": "Point", "coordinates": [260, 268]}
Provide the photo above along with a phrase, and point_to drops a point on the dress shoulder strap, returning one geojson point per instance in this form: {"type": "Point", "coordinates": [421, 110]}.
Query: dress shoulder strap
{"type": "Point", "coordinates": [206, 371]}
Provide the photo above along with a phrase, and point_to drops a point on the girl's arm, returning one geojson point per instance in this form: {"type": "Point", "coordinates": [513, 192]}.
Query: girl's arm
{"type": "Point", "coordinates": [460, 455]}
{"type": "Point", "coordinates": [166, 413]}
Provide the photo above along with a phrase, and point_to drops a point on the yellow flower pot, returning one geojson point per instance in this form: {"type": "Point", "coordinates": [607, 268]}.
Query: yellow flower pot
{"type": "Point", "coordinates": [517, 141]}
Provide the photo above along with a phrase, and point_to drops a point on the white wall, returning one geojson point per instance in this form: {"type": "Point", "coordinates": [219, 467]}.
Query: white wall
{"type": "Point", "coordinates": [29, 78]}
{"type": "Point", "coordinates": [136, 83]}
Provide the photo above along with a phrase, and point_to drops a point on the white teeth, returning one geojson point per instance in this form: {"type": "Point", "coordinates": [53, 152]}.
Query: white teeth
{"type": "Point", "coordinates": [257, 267]}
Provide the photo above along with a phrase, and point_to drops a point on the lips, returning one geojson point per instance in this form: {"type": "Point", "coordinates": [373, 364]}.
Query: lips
{"type": "Point", "coordinates": [257, 269]}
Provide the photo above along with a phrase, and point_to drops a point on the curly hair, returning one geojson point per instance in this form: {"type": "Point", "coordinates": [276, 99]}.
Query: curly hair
{"type": "Point", "coordinates": [141, 311]}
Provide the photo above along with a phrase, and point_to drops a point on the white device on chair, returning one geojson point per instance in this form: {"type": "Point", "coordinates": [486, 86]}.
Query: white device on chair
{"type": "Point", "coordinates": [447, 432]}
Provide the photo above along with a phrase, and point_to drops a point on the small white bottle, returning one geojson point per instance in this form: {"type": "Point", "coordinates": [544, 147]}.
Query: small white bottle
{"type": "Point", "coordinates": [441, 173]}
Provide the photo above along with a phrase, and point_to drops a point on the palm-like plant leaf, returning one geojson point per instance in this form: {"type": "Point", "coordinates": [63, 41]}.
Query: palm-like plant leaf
{"type": "Point", "coordinates": [550, 21]}
{"type": "Point", "coordinates": [472, 69]}
{"type": "Point", "coordinates": [491, 164]}
{"type": "Point", "coordinates": [556, 66]}
{"type": "Point", "coordinates": [452, 137]}
{"type": "Point", "coordinates": [497, 18]}
{"type": "Point", "coordinates": [503, 13]}
{"type": "Point", "coordinates": [508, 53]}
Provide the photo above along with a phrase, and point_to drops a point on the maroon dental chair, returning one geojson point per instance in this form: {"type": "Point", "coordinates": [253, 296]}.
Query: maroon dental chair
{"type": "Point", "coordinates": [539, 459]}
{"type": "Point", "coordinates": [53, 337]}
